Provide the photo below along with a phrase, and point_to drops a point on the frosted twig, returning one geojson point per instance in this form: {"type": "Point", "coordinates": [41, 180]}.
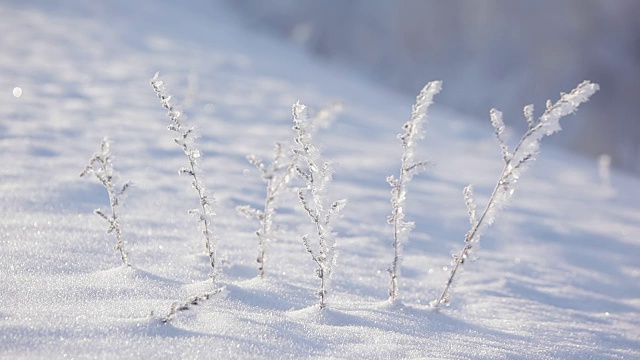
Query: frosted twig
{"type": "Point", "coordinates": [192, 301]}
{"type": "Point", "coordinates": [185, 138]}
{"type": "Point", "coordinates": [101, 165]}
{"type": "Point", "coordinates": [317, 175]}
{"type": "Point", "coordinates": [277, 176]}
{"type": "Point", "coordinates": [515, 165]}
{"type": "Point", "coordinates": [408, 168]}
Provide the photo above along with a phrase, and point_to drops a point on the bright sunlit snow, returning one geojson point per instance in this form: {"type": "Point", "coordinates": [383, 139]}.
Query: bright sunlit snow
{"type": "Point", "coordinates": [556, 277]}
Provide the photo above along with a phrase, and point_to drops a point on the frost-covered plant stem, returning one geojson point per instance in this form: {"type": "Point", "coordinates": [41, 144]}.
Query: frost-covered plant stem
{"type": "Point", "coordinates": [317, 175]}
{"type": "Point", "coordinates": [408, 168]}
{"type": "Point", "coordinates": [516, 163]}
{"type": "Point", "coordinates": [277, 176]}
{"type": "Point", "coordinates": [186, 305]}
{"type": "Point", "coordinates": [101, 165]}
{"type": "Point", "coordinates": [185, 138]}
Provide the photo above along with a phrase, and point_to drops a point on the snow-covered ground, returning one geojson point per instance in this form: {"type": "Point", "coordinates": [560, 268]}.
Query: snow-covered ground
{"type": "Point", "coordinates": [557, 276]}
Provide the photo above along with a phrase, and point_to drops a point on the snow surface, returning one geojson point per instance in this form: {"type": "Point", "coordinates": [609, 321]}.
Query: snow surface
{"type": "Point", "coordinates": [557, 275]}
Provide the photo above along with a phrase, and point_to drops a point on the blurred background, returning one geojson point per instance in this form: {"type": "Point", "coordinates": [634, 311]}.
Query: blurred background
{"type": "Point", "coordinates": [489, 53]}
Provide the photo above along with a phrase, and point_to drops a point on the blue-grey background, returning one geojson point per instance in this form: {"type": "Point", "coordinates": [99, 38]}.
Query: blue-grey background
{"type": "Point", "coordinates": [489, 53]}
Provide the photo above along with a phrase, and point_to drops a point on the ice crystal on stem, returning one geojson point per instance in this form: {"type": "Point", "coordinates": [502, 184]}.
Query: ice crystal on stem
{"type": "Point", "coordinates": [317, 175]}
{"type": "Point", "coordinates": [408, 168]}
{"type": "Point", "coordinates": [185, 139]}
{"type": "Point", "coordinates": [515, 163]}
{"type": "Point", "coordinates": [277, 176]}
{"type": "Point", "coordinates": [101, 165]}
